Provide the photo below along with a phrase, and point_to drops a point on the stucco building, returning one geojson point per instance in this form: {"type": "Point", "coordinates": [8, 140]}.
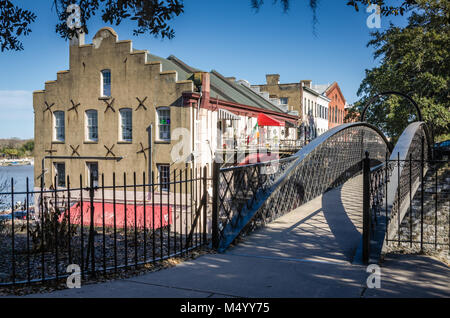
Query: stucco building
{"type": "Point", "coordinates": [118, 109]}
{"type": "Point", "coordinates": [300, 97]}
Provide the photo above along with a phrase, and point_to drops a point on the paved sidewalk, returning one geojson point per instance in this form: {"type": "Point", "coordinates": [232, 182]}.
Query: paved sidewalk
{"type": "Point", "coordinates": [306, 253]}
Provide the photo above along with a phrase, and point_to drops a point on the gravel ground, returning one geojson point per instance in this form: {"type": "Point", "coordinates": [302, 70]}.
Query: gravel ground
{"type": "Point", "coordinates": [124, 252]}
{"type": "Point", "coordinates": [46, 287]}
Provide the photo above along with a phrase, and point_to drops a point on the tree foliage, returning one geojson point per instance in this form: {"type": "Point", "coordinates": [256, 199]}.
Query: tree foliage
{"type": "Point", "coordinates": [14, 22]}
{"type": "Point", "coordinates": [14, 148]}
{"type": "Point", "coordinates": [386, 8]}
{"type": "Point", "coordinates": [414, 60]}
{"type": "Point", "coordinates": [150, 16]}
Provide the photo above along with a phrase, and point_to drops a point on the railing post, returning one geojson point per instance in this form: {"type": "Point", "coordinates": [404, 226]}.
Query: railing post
{"type": "Point", "coordinates": [366, 209]}
{"type": "Point", "coordinates": [215, 206]}
{"type": "Point", "coordinates": [422, 185]}
{"type": "Point", "coordinates": [205, 206]}
{"type": "Point", "coordinates": [91, 228]}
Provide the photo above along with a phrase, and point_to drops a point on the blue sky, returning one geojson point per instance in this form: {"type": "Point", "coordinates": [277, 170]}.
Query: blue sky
{"type": "Point", "coordinates": [225, 35]}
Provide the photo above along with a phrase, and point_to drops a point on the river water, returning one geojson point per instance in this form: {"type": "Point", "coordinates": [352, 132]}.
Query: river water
{"type": "Point", "coordinates": [19, 175]}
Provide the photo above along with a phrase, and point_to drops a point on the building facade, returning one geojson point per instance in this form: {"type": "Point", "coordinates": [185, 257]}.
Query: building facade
{"type": "Point", "coordinates": [315, 112]}
{"type": "Point", "coordinates": [311, 105]}
{"type": "Point", "coordinates": [337, 103]}
{"type": "Point", "coordinates": [122, 110]}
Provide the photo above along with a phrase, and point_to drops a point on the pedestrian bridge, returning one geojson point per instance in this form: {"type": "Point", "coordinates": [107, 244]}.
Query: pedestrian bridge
{"type": "Point", "coordinates": [356, 159]}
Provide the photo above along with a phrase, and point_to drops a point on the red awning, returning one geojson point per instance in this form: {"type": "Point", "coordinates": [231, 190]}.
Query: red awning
{"type": "Point", "coordinates": [266, 120]}
{"type": "Point", "coordinates": [288, 122]}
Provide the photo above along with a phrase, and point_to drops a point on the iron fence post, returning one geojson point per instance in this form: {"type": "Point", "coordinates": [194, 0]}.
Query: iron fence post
{"type": "Point", "coordinates": [91, 228]}
{"type": "Point", "coordinates": [422, 185]}
{"type": "Point", "coordinates": [215, 207]}
{"type": "Point", "coordinates": [366, 209]}
{"type": "Point", "coordinates": [205, 206]}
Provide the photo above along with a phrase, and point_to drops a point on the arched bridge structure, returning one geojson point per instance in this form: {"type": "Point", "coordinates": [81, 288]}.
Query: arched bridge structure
{"type": "Point", "coordinates": [248, 197]}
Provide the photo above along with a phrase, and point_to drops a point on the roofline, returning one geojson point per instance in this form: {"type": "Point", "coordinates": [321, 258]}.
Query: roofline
{"type": "Point", "coordinates": [339, 90]}
{"type": "Point", "coordinates": [282, 84]}
{"type": "Point", "coordinates": [193, 95]}
{"type": "Point", "coordinates": [246, 94]}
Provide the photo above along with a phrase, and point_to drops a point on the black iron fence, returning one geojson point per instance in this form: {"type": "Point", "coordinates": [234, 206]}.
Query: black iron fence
{"type": "Point", "coordinates": [421, 191]}
{"type": "Point", "coordinates": [426, 223]}
{"type": "Point", "coordinates": [102, 228]}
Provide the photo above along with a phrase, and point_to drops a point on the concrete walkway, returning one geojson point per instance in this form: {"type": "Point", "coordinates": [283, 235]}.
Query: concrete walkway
{"type": "Point", "coordinates": [306, 253]}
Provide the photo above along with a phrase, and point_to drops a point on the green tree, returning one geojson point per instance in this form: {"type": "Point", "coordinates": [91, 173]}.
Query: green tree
{"type": "Point", "coordinates": [414, 60]}
{"type": "Point", "coordinates": [14, 22]}
{"type": "Point", "coordinates": [28, 146]}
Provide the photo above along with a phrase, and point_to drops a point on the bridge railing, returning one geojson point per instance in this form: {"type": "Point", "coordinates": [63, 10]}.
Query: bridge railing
{"type": "Point", "coordinates": [407, 167]}
{"type": "Point", "coordinates": [247, 197]}
{"type": "Point", "coordinates": [375, 180]}
{"type": "Point", "coordinates": [412, 191]}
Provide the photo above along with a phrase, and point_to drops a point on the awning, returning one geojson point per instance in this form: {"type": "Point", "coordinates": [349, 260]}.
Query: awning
{"type": "Point", "coordinates": [288, 122]}
{"type": "Point", "coordinates": [266, 120]}
{"type": "Point", "coordinates": [226, 114]}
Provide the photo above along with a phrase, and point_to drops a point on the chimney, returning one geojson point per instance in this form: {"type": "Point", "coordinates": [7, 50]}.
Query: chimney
{"type": "Point", "coordinates": [77, 39]}
{"type": "Point", "coordinates": [231, 79]}
{"type": "Point", "coordinates": [205, 89]}
{"type": "Point", "coordinates": [306, 83]}
{"type": "Point", "coordinates": [273, 79]}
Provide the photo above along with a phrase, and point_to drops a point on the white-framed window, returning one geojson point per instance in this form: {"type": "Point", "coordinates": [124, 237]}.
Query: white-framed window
{"type": "Point", "coordinates": [164, 176]}
{"type": "Point", "coordinates": [59, 126]}
{"type": "Point", "coordinates": [283, 100]}
{"type": "Point", "coordinates": [126, 124]}
{"type": "Point", "coordinates": [60, 172]}
{"type": "Point", "coordinates": [91, 125]}
{"type": "Point", "coordinates": [106, 83]}
{"type": "Point", "coordinates": [163, 115]}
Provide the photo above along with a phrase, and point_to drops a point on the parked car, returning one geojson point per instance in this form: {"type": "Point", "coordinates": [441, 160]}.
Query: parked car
{"type": "Point", "coordinates": [442, 149]}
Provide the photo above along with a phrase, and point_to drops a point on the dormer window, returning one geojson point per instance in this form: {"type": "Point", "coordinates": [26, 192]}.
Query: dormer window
{"type": "Point", "coordinates": [106, 83]}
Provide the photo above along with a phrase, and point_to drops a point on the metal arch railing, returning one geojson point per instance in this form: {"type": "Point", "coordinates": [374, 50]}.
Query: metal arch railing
{"type": "Point", "coordinates": [406, 172]}
{"type": "Point", "coordinates": [247, 197]}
